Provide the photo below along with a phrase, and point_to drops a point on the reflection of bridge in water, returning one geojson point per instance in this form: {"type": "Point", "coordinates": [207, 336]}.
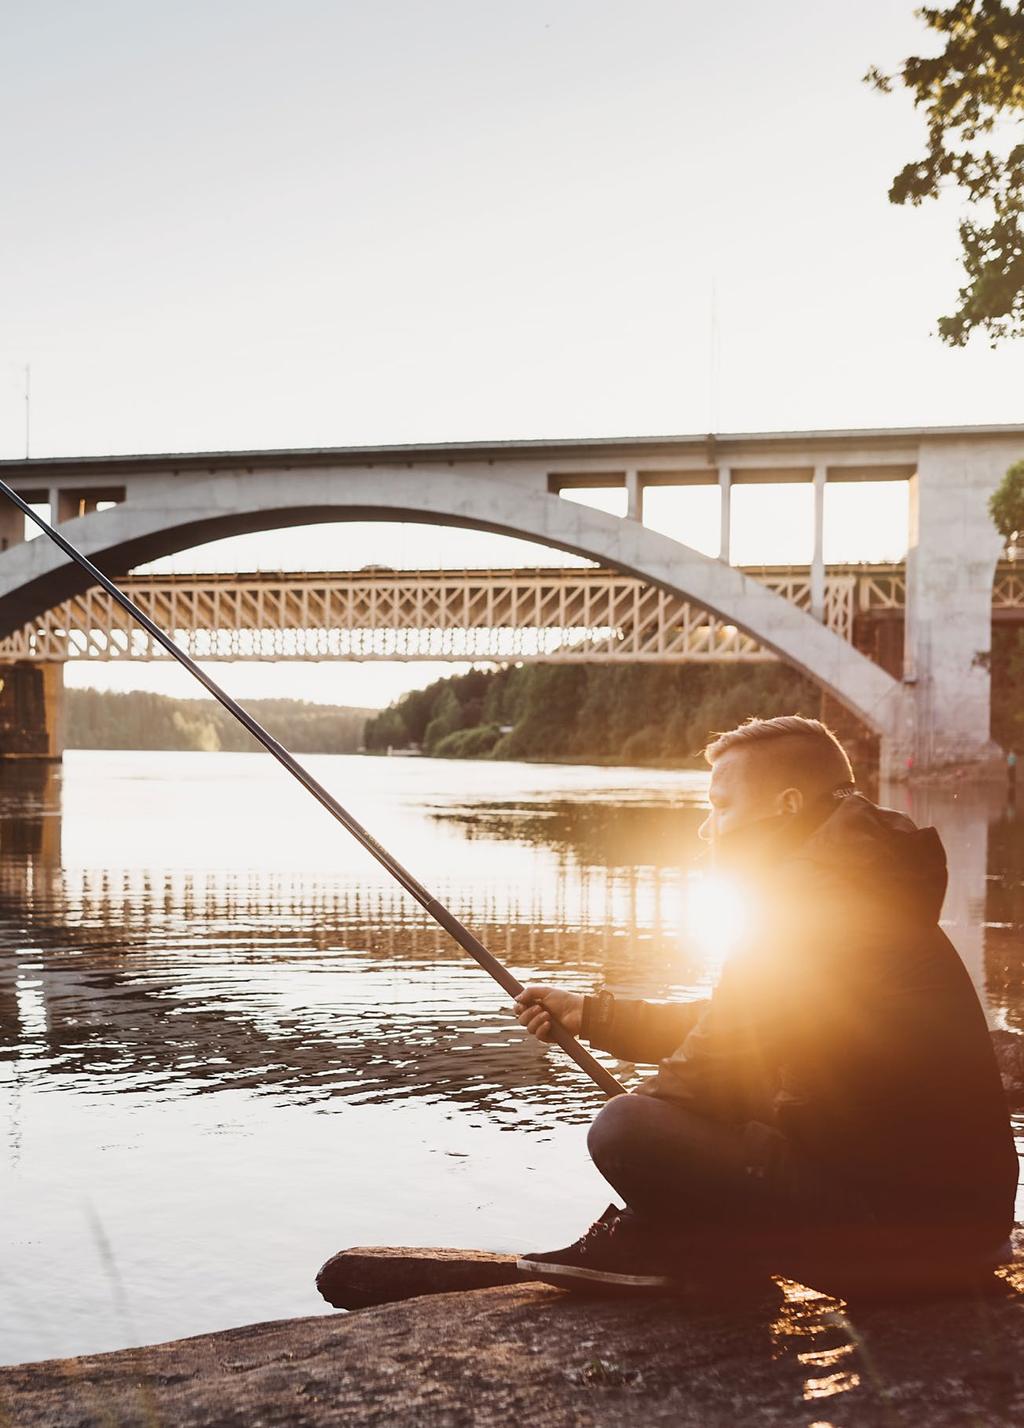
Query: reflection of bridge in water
{"type": "Point", "coordinates": [621, 923]}
{"type": "Point", "coordinates": [303, 987]}
{"type": "Point", "coordinates": [295, 990]}
{"type": "Point", "coordinates": [618, 922]}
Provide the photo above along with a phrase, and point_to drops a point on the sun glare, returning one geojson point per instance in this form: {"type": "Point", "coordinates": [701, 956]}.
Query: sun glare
{"type": "Point", "coordinates": [715, 916]}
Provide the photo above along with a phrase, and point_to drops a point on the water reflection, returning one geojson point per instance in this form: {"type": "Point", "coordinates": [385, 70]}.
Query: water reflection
{"type": "Point", "coordinates": [984, 908]}
{"type": "Point", "coordinates": [629, 834]}
{"type": "Point", "coordinates": [855, 1363]}
{"type": "Point", "coordinates": [307, 985]}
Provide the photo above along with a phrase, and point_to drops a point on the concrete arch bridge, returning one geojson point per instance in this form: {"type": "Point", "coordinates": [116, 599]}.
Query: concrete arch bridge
{"type": "Point", "coordinates": [934, 712]}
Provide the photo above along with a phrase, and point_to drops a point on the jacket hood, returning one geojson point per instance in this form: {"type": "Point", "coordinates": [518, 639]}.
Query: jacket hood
{"type": "Point", "coordinates": [881, 853]}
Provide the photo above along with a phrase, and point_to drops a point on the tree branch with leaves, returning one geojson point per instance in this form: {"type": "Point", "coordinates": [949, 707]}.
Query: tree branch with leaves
{"type": "Point", "coordinates": [972, 95]}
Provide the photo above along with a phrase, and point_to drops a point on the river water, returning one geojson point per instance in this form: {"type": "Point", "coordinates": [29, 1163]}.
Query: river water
{"type": "Point", "coordinates": [230, 1046]}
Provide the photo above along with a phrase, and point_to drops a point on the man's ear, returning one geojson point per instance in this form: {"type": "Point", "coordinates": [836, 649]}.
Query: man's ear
{"type": "Point", "coordinates": [790, 800]}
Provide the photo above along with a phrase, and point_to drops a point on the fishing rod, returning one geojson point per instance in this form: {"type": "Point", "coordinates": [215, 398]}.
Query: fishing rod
{"type": "Point", "coordinates": [413, 886]}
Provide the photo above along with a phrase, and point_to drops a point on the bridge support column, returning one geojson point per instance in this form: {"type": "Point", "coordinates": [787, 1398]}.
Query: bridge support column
{"type": "Point", "coordinates": [634, 496]}
{"type": "Point", "coordinates": [818, 557]}
{"type": "Point", "coordinates": [725, 490]}
{"type": "Point", "coordinates": [31, 711]}
{"type": "Point", "coordinates": [951, 560]}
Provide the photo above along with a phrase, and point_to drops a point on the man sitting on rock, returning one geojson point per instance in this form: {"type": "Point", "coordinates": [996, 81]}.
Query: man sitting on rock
{"type": "Point", "coordinates": [834, 1112]}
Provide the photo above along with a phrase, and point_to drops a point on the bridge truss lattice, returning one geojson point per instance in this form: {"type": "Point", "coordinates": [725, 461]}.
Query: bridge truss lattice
{"type": "Point", "coordinates": [552, 615]}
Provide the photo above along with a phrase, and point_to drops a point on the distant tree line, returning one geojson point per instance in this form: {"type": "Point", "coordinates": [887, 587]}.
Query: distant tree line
{"type": "Point", "coordinates": [628, 713]}
{"type": "Point", "coordinates": [636, 712]}
{"type": "Point", "coordinates": [97, 719]}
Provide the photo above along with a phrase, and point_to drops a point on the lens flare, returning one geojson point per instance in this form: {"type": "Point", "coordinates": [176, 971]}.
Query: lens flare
{"type": "Point", "coordinates": [715, 915]}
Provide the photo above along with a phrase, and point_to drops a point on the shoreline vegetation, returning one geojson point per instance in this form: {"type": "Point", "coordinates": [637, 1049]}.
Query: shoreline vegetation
{"type": "Point", "coordinates": [653, 714]}
{"type": "Point", "coordinates": [644, 714]}
{"type": "Point", "coordinates": [101, 719]}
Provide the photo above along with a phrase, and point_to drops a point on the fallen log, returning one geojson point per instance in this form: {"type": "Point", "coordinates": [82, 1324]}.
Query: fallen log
{"type": "Point", "coordinates": [368, 1275]}
{"type": "Point", "coordinates": [357, 1278]}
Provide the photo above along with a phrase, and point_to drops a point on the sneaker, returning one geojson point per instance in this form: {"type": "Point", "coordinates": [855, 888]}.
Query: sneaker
{"type": "Point", "coordinates": [617, 1252]}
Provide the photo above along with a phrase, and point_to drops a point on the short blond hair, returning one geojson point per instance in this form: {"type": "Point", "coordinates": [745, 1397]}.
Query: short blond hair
{"type": "Point", "coordinates": [805, 751]}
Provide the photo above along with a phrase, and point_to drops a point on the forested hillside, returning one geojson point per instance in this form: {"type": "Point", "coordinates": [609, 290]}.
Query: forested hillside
{"type": "Point", "coordinates": [628, 713]}
{"type": "Point", "coordinates": [97, 719]}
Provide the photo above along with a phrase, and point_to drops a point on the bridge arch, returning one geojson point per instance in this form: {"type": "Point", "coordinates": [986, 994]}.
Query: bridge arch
{"type": "Point", "coordinates": [35, 575]}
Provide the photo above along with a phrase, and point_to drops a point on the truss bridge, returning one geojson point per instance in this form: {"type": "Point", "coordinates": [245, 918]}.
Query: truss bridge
{"type": "Point", "coordinates": [557, 615]}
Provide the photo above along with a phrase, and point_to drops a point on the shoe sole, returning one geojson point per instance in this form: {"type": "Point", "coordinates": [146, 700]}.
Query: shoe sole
{"type": "Point", "coordinates": [569, 1276]}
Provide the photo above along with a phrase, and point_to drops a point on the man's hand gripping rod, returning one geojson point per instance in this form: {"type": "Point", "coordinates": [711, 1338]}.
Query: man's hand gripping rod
{"type": "Point", "coordinates": [413, 887]}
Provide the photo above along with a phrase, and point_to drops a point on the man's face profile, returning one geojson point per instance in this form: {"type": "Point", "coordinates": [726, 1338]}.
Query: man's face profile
{"type": "Point", "coordinates": [743, 790]}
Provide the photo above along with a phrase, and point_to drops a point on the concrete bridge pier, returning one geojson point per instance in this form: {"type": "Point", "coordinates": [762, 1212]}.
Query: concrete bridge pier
{"type": "Point", "coordinates": [31, 695]}
{"type": "Point", "coordinates": [31, 711]}
{"type": "Point", "coordinates": [951, 563]}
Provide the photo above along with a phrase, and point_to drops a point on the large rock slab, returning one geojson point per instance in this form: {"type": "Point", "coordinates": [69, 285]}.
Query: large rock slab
{"type": "Point", "coordinates": [531, 1354]}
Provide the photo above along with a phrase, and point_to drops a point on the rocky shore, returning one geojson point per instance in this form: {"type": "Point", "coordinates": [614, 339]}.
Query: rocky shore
{"type": "Point", "coordinates": [443, 1337]}
{"type": "Point", "coordinates": [521, 1352]}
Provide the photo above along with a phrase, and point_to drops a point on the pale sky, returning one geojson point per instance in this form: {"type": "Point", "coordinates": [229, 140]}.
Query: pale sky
{"type": "Point", "coordinates": [249, 224]}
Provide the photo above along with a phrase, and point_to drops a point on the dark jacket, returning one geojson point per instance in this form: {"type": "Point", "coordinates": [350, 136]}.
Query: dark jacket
{"type": "Point", "coordinates": [848, 1021]}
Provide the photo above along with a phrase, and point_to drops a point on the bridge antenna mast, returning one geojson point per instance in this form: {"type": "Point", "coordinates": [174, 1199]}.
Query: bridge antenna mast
{"type": "Point", "coordinates": [713, 360]}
